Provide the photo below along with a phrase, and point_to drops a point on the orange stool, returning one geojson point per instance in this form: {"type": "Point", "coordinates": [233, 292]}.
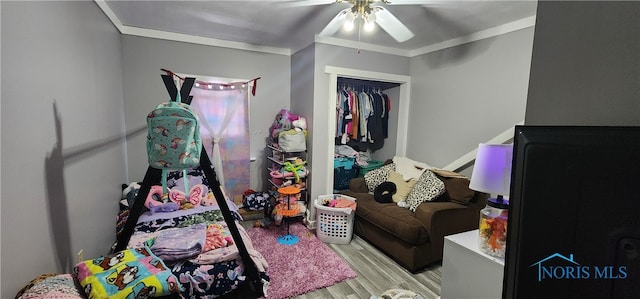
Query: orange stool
{"type": "Point", "coordinates": [287, 210]}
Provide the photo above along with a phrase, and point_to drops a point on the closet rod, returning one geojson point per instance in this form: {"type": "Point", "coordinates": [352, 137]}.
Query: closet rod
{"type": "Point", "coordinates": [362, 82]}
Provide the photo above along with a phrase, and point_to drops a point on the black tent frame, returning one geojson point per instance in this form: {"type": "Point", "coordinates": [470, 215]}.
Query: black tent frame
{"type": "Point", "coordinates": [153, 177]}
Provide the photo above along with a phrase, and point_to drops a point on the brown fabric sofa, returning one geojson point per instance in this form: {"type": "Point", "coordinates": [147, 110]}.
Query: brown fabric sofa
{"type": "Point", "coordinates": [416, 240]}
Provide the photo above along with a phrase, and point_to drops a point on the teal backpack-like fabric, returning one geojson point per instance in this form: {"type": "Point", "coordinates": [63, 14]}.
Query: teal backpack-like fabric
{"type": "Point", "coordinates": [173, 136]}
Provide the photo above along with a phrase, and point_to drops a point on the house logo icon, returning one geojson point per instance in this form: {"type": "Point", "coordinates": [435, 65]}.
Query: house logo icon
{"type": "Point", "coordinates": [557, 266]}
{"type": "Point", "coordinates": [554, 271]}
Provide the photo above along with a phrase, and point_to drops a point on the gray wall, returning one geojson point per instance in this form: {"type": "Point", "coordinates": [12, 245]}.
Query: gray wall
{"type": "Point", "coordinates": [60, 192]}
{"type": "Point", "coordinates": [143, 89]}
{"type": "Point", "coordinates": [466, 95]}
{"type": "Point", "coordinates": [586, 64]}
{"type": "Point", "coordinates": [302, 86]}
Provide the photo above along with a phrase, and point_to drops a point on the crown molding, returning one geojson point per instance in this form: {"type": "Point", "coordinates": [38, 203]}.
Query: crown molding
{"type": "Point", "coordinates": [487, 33]}
{"type": "Point", "coordinates": [110, 14]}
{"type": "Point", "coordinates": [136, 31]}
{"type": "Point", "coordinates": [159, 34]}
{"type": "Point", "coordinates": [360, 45]}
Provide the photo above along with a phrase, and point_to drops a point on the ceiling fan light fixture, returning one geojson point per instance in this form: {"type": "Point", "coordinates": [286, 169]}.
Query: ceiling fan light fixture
{"type": "Point", "coordinates": [349, 22]}
{"type": "Point", "coordinates": [348, 25]}
{"type": "Point", "coordinates": [369, 21]}
{"type": "Point", "coordinates": [351, 17]}
{"type": "Point", "coordinates": [369, 25]}
{"type": "Point", "coordinates": [368, 17]}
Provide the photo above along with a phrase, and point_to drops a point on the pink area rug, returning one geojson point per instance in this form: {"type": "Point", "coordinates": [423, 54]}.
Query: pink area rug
{"type": "Point", "coordinates": [300, 268]}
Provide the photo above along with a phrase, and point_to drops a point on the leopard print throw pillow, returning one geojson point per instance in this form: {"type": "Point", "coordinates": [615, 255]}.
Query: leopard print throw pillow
{"type": "Point", "coordinates": [376, 177]}
{"type": "Point", "coordinates": [427, 188]}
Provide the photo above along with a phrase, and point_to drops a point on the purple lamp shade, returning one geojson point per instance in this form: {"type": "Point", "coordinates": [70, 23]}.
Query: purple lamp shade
{"type": "Point", "coordinates": [492, 169]}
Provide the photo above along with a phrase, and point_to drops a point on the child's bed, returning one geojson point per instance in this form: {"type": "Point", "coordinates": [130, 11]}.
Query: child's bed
{"type": "Point", "coordinates": [195, 248]}
{"type": "Point", "coordinates": [217, 269]}
{"type": "Point", "coordinates": [209, 274]}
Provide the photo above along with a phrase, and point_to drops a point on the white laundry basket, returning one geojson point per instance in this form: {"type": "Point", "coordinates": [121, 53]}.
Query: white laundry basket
{"type": "Point", "coordinates": [334, 225]}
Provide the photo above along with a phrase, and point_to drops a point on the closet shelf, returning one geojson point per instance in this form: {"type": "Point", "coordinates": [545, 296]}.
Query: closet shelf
{"type": "Point", "coordinates": [279, 157]}
{"type": "Point", "coordinates": [280, 150]}
{"type": "Point", "coordinates": [275, 160]}
{"type": "Point", "coordinates": [276, 185]}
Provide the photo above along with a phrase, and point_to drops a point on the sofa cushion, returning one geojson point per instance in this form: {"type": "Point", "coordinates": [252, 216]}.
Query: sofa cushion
{"type": "Point", "coordinates": [377, 176]}
{"type": "Point", "coordinates": [458, 189]}
{"type": "Point", "coordinates": [402, 187]}
{"type": "Point", "coordinates": [395, 220]}
{"type": "Point", "coordinates": [427, 188]}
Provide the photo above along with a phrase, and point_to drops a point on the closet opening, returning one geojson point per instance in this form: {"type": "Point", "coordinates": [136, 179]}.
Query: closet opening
{"type": "Point", "coordinates": [366, 122]}
{"type": "Point", "coordinates": [398, 84]}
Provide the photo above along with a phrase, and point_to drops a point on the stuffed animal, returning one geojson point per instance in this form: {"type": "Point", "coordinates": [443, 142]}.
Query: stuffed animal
{"type": "Point", "coordinates": [157, 202]}
{"type": "Point", "coordinates": [295, 169]}
{"type": "Point", "coordinates": [281, 123]}
{"type": "Point", "coordinates": [301, 123]}
{"type": "Point", "coordinates": [209, 200]}
{"type": "Point", "coordinates": [196, 195]}
{"type": "Point", "coordinates": [129, 193]}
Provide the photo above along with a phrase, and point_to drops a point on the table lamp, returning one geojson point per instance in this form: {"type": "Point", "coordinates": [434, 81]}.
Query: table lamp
{"type": "Point", "coordinates": [492, 174]}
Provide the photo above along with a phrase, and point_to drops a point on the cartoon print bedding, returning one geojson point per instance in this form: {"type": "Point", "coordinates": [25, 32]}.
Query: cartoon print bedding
{"type": "Point", "coordinates": [196, 246]}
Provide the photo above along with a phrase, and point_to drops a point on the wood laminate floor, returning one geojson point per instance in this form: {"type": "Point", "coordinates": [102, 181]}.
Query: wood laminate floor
{"type": "Point", "coordinates": [376, 274]}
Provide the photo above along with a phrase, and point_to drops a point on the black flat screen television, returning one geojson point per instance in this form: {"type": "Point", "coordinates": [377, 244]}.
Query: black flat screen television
{"type": "Point", "coordinates": [574, 213]}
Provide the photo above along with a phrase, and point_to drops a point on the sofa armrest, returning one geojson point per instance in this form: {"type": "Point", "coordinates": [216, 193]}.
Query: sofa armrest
{"type": "Point", "coordinates": [358, 185]}
{"type": "Point", "coordinates": [446, 218]}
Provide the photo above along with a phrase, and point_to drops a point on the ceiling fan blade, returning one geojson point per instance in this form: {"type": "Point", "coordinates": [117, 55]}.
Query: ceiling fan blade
{"type": "Point", "coordinates": [409, 2]}
{"type": "Point", "coordinates": [300, 3]}
{"type": "Point", "coordinates": [392, 25]}
{"type": "Point", "coordinates": [335, 23]}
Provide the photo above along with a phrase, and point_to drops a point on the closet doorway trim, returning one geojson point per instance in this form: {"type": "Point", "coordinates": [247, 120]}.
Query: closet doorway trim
{"type": "Point", "coordinates": [403, 108]}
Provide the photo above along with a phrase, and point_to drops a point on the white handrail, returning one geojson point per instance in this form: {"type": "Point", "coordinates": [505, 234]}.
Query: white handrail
{"type": "Point", "coordinates": [468, 158]}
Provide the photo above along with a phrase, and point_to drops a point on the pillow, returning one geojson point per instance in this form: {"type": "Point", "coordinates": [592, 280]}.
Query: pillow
{"type": "Point", "coordinates": [458, 190]}
{"type": "Point", "coordinates": [50, 286]}
{"type": "Point", "coordinates": [132, 272]}
{"type": "Point", "coordinates": [403, 187]}
{"type": "Point", "coordinates": [257, 201]}
{"type": "Point", "coordinates": [427, 188]}
{"type": "Point", "coordinates": [375, 177]}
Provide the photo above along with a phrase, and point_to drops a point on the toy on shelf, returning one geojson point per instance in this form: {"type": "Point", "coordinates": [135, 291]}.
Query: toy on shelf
{"type": "Point", "coordinates": [288, 207]}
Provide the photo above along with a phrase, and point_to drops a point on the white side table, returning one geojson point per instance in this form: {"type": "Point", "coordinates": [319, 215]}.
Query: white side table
{"type": "Point", "coordinates": [467, 272]}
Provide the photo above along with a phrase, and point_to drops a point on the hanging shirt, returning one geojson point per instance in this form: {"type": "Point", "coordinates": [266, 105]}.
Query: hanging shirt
{"type": "Point", "coordinates": [365, 110]}
{"type": "Point", "coordinates": [385, 118]}
{"type": "Point", "coordinates": [340, 98]}
{"type": "Point", "coordinates": [356, 118]}
{"type": "Point", "coordinates": [375, 123]}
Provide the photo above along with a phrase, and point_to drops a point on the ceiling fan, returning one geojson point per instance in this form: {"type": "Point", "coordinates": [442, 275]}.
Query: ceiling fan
{"type": "Point", "coordinates": [368, 13]}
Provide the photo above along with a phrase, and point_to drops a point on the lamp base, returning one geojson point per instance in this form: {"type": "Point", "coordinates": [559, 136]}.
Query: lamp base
{"type": "Point", "coordinates": [493, 227]}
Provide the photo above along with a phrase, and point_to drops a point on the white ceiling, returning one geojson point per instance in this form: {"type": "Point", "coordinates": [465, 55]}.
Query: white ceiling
{"type": "Point", "coordinates": [278, 25]}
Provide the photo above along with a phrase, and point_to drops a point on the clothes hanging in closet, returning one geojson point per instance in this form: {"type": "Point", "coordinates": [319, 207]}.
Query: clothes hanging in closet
{"type": "Point", "coordinates": [362, 117]}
